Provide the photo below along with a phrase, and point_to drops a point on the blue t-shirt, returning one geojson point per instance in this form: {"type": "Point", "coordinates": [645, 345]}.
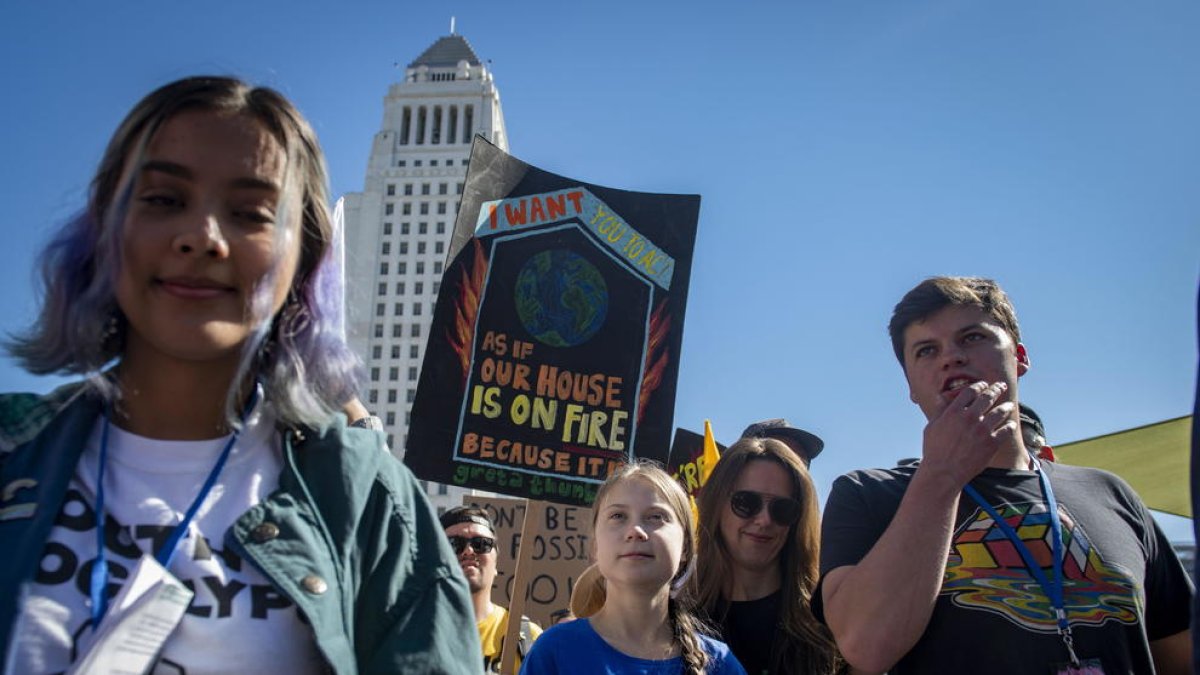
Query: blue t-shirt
{"type": "Point", "coordinates": [576, 647]}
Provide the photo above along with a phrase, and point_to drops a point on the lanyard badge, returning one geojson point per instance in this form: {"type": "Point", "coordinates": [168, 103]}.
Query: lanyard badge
{"type": "Point", "coordinates": [99, 578]}
{"type": "Point", "coordinates": [1052, 586]}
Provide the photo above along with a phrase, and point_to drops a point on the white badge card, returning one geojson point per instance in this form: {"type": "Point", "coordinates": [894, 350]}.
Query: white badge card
{"type": "Point", "coordinates": [1085, 667]}
{"type": "Point", "coordinates": [139, 621]}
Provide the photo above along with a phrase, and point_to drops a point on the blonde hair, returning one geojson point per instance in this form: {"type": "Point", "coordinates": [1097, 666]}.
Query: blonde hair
{"type": "Point", "coordinates": [589, 594]}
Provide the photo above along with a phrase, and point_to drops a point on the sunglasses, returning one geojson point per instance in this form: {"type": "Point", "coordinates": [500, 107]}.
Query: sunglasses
{"type": "Point", "coordinates": [481, 545]}
{"type": "Point", "coordinates": [747, 504]}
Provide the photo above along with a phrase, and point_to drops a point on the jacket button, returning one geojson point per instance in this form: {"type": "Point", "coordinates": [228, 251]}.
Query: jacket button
{"type": "Point", "coordinates": [314, 584]}
{"type": "Point", "coordinates": [264, 533]}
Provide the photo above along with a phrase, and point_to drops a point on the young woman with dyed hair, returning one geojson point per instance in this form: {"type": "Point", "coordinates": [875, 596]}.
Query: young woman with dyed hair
{"type": "Point", "coordinates": [638, 618]}
{"type": "Point", "coordinates": [757, 555]}
{"type": "Point", "coordinates": [196, 296]}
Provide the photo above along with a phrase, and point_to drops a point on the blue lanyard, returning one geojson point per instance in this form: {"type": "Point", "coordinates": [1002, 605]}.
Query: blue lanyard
{"type": "Point", "coordinates": [1054, 585]}
{"type": "Point", "coordinates": [167, 553]}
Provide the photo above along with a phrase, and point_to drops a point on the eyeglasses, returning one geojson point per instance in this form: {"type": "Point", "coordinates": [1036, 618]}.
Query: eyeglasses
{"type": "Point", "coordinates": [783, 510]}
{"type": "Point", "coordinates": [481, 545]}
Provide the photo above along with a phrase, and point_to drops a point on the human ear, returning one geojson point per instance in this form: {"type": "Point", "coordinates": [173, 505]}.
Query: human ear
{"type": "Point", "coordinates": [1023, 363]}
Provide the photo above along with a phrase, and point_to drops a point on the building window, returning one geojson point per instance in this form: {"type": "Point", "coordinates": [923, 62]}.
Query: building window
{"type": "Point", "coordinates": [398, 310]}
{"type": "Point", "coordinates": [418, 288]}
{"type": "Point", "coordinates": [406, 209]}
{"type": "Point", "coordinates": [424, 208]}
{"type": "Point", "coordinates": [442, 188]}
{"type": "Point", "coordinates": [416, 309]}
{"type": "Point", "coordinates": [416, 162]}
{"type": "Point", "coordinates": [458, 189]}
{"type": "Point", "coordinates": [391, 441]}
{"type": "Point", "coordinates": [433, 162]}
{"type": "Point", "coordinates": [441, 208]}
{"type": "Point", "coordinates": [412, 374]}
{"type": "Point", "coordinates": [378, 330]}
{"type": "Point", "coordinates": [410, 395]}
{"type": "Point", "coordinates": [405, 128]}
{"type": "Point", "coordinates": [407, 419]}
{"type": "Point", "coordinates": [374, 374]}
{"type": "Point", "coordinates": [373, 396]}
{"type": "Point", "coordinates": [379, 309]}
{"type": "Point", "coordinates": [383, 268]}
{"type": "Point", "coordinates": [398, 330]}
{"type": "Point", "coordinates": [413, 351]}
{"type": "Point", "coordinates": [416, 330]}
{"type": "Point", "coordinates": [393, 373]}
{"type": "Point", "coordinates": [437, 267]}
{"type": "Point", "coordinates": [404, 248]}
{"type": "Point", "coordinates": [399, 288]}
{"type": "Point", "coordinates": [388, 209]}
{"type": "Point", "coordinates": [403, 228]}
{"type": "Point", "coordinates": [420, 247]}
{"type": "Point", "coordinates": [408, 189]}
{"type": "Point", "coordinates": [401, 162]}
{"type": "Point", "coordinates": [424, 188]}
{"type": "Point", "coordinates": [391, 190]}
{"type": "Point", "coordinates": [441, 228]}
{"type": "Point", "coordinates": [437, 286]}
{"type": "Point", "coordinates": [387, 228]}
{"type": "Point", "coordinates": [391, 395]}
{"type": "Point", "coordinates": [420, 126]}
{"type": "Point", "coordinates": [377, 352]}
{"type": "Point", "coordinates": [395, 351]}
{"type": "Point", "coordinates": [442, 490]}
{"type": "Point", "coordinates": [439, 247]}
{"type": "Point", "coordinates": [464, 162]}
{"type": "Point", "coordinates": [402, 268]}
{"type": "Point", "coordinates": [391, 418]}
{"type": "Point", "coordinates": [382, 289]}
{"type": "Point", "coordinates": [420, 267]}
{"type": "Point", "coordinates": [422, 228]}
{"type": "Point", "coordinates": [386, 248]}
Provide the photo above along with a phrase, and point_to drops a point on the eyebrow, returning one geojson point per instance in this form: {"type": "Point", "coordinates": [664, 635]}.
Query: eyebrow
{"type": "Point", "coordinates": [181, 171]}
{"type": "Point", "coordinates": [921, 343]}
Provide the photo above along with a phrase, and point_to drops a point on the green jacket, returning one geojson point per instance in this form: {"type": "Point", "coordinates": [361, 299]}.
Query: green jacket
{"type": "Point", "coordinates": [348, 536]}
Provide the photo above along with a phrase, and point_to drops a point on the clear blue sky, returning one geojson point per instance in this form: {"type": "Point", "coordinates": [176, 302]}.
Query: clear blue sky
{"type": "Point", "coordinates": [844, 151]}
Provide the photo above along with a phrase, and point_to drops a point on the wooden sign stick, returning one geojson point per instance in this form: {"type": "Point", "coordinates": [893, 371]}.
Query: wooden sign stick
{"type": "Point", "coordinates": [534, 513]}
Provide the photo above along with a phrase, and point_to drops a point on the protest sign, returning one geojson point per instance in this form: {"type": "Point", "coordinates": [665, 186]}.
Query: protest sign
{"type": "Point", "coordinates": [554, 347]}
{"type": "Point", "coordinates": [561, 546]}
{"type": "Point", "coordinates": [687, 460]}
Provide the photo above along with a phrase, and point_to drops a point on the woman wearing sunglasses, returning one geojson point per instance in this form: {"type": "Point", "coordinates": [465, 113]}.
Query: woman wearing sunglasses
{"type": "Point", "coordinates": [757, 548]}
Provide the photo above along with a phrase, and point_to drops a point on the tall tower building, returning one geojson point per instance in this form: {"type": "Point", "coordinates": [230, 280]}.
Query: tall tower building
{"type": "Point", "coordinates": [398, 228]}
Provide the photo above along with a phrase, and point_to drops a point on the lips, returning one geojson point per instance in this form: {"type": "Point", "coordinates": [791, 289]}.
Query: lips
{"type": "Point", "coordinates": [758, 538]}
{"type": "Point", "coordinates": [636, 556]}
{"type": "Point", "coordinates": [194, 288]}
{"type": "Point", "coordinates": [956, 383]}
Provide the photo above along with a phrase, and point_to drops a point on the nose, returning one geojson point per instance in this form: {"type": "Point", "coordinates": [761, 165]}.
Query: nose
{"type": "Point", "coordinates": [953, 356]}
{"type": "Point", "coordinates": [202, 236]}
{"type": "Point", "coordinates": [635, 533]}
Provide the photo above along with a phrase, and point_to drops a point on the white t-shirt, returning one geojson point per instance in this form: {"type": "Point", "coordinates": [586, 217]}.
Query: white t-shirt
{"type": "Point", "coordinates": [237, 621]}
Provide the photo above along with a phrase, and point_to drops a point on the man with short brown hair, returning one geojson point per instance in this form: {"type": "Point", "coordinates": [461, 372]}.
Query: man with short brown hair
{"type": "Point", "coordinates": [980, 558]}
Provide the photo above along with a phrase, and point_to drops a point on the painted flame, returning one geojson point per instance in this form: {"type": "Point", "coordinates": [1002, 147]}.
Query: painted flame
{"type": "Point", "coordinates": [461, 333]}
{"type": "Point", "coordinates": [657, 356]}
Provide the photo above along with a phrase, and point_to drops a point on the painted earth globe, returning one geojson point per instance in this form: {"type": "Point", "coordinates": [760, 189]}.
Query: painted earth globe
{"type": "Point", "coordinates": [561, 298]}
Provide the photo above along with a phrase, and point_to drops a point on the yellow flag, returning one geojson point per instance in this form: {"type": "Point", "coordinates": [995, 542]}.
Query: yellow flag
{"type": "Point", "coordinates": [708, 459]}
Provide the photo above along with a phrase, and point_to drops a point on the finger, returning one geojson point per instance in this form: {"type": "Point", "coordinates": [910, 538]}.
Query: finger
{"type": "Point", "coordinates": [1007, 432]}
{"type": "Point", "coordinates": [998, 415]}
{"type": "Point", "coordinates": [987, 398]}
{"type": "Point", "coordinates": [967, 395]}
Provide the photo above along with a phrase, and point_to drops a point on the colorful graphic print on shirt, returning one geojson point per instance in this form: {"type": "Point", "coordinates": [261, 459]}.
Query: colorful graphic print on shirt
{"type": "Point", "coordinates": [985, 571]}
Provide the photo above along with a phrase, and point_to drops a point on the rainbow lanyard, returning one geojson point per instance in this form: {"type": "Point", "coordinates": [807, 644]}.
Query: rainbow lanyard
{"type": "Point", "coordinates": [1052, 586]}
{"type": "Point", "coordinates": [167, 553]}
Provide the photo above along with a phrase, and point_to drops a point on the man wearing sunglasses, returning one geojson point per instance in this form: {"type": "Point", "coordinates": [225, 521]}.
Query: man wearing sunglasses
{"type": "Point", "coordinates": [473, 538]}
{"type": "Point", "coordinates": [981, 558]}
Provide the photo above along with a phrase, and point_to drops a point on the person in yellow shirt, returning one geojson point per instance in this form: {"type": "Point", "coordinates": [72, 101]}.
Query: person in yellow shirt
{"type": "Point", "coordinates": [473, 538]}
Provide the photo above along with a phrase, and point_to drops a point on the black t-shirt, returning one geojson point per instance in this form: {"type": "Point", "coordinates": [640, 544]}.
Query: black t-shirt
{"type": "Point", "coordinates": [1124, 585]}
{"type": "Point", "coordinates": [749, 628]}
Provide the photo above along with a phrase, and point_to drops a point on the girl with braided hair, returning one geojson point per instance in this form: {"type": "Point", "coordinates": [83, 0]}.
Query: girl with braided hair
{"type": "Point", "coordinates": [638, 618]}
